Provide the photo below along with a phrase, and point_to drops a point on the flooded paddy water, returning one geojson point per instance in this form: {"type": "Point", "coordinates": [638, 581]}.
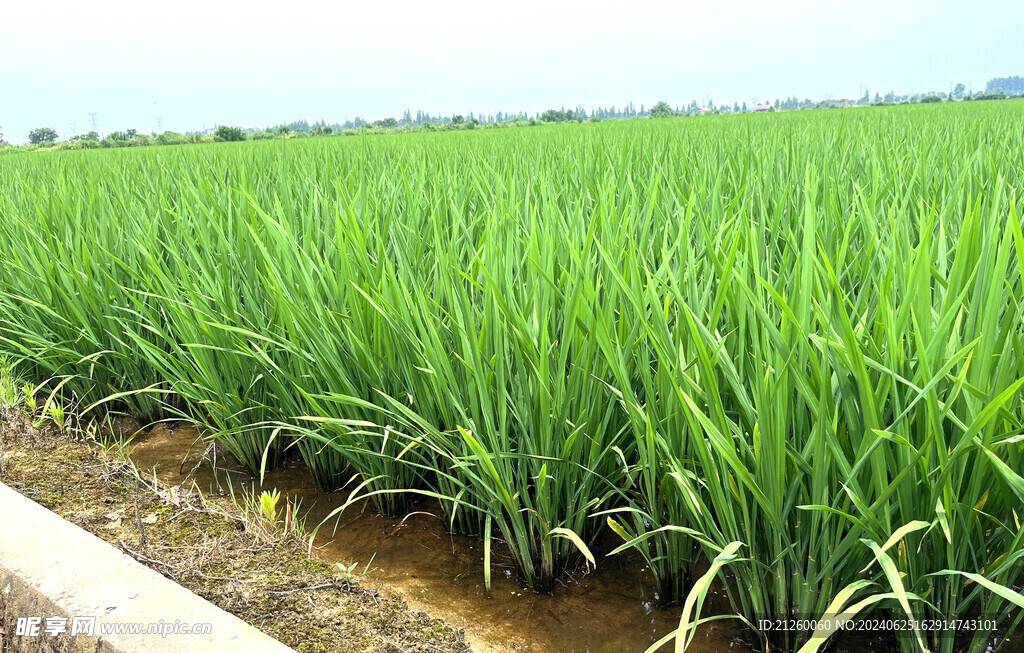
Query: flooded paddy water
{"type": "Point", "coordinates": [611, 608]}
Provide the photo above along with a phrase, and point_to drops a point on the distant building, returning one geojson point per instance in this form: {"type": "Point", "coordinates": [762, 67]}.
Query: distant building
{"type": "Point", "coordinates": [761, 108]}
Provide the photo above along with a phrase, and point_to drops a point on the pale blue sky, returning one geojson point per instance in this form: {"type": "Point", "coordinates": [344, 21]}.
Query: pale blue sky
{"type": "Point", "coordinates": [252, 64]}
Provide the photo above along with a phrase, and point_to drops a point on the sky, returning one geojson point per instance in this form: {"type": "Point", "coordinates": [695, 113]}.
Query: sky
{"type": "Point", "coordinates": [191, 64]}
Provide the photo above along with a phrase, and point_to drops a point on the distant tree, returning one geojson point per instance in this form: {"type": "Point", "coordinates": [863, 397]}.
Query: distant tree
{"type": "Point", "coordinates": [322, 130]}
{"type": "Point", "coordinates": [88, 137]}
{"type": "Point", "coordinates": [170, 138]}
{"type": "Point", "coordinates": [284, 130]}
{"type": "Point", "coordinates": [386, 123]}
{"type": "Point", "coordinates": [931, 99]}
{"type": "Point", "coordinates": [993, 95]}
{"type": "Point", "coordinates": [958, 91]}
{"type": "Point", "coordinates": [229, 134]}
{"type": "Point", "coordinates": [662, 110]}
{"type": "Point", "coordinates": [123, 137]}
{"type": "Point", "coordinates": [42, 135]}
{"type": "Point", "coordinates": [3, 143]}
{"type": "Point", "coordinates": [458, 119]}
{"type": "Point", "coordinates": [556, 115]}
{"type": "Point", "coordinates": [1012, 85]}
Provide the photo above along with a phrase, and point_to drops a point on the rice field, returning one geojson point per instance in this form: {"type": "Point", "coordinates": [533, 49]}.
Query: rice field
{"type": "Point", "coordinates": [782, 352]}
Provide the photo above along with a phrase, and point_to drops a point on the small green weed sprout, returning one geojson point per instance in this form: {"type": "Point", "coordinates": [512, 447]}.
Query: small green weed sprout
{"type": "Point", "coordinates": [348, 575]}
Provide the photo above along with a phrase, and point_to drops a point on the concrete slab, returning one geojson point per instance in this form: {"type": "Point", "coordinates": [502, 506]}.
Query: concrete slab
{"type": "Point", "coordinates": [51, 569]}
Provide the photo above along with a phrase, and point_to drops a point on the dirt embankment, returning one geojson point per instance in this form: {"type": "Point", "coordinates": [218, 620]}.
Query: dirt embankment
{"type": "Point", "coordinates": [208, 546]}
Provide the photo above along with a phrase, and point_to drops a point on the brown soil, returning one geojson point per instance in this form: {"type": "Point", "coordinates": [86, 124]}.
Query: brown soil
{"type": "Point", "coordinates": [206, 545]}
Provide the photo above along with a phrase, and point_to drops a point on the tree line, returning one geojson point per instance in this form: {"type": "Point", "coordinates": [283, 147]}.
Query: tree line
{"type": "Point", "coordinates": [996, 89]}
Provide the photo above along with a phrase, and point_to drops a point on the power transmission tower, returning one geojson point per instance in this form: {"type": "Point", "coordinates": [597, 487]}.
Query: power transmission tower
{"type": "Point", "coordinates": [92, 118]}
{"type": "Point", "coordinates": [159, 125]}
{"type": "Point", "coordinates": [72, 129]}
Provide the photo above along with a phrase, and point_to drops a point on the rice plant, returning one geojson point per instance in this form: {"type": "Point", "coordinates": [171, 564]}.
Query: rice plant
{"type": "Point", "coordinates": [786, 345]}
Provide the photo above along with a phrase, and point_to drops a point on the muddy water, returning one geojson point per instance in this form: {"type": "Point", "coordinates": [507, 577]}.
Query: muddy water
{"type": "Point", "coordinates": [612, 608]}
